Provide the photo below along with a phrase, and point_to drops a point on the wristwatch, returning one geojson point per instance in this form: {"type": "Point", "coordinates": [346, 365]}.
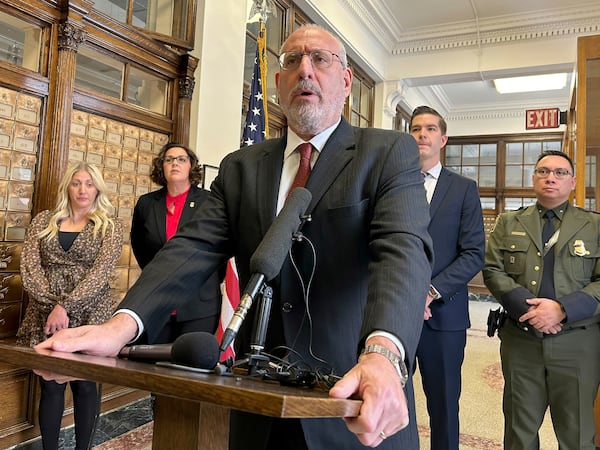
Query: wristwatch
{"type": "Point", "coordinates": [392, 357]}
{"type": "Point", "coordinates": [433, 293]}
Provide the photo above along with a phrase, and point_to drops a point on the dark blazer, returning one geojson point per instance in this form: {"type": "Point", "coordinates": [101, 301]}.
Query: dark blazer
{"type": "Point", "coordinates": [149, 235]}
{"type": "Point", "coordinates": [372, 265]}
{"type": "Point", "coordinates": [456, 228]}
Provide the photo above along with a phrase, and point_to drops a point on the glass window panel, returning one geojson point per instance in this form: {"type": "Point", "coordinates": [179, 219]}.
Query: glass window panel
{"type": "Point", "coordinates": [514, 176]}
{"type": "Point", "coordinates": [364, 123]}
{"type": "Point", "coordinates": [250, 53]}
{"type": "Point", "coordinates": [532, 152]}
{"type": "Point", "coordinates": [488, 203]}
{"type": "Point", "coordinates": [20, 42]}
{"type": "Point", "coordinates": [147, 91]}
{"type": "Point", "coordinates": [117, 9]}
{"type": "Point", "coordinates": [455, 169]}
{"type": "Point", "coordinates": [487, 176]}
{"type": "Point", "coordinates": [487, 154]}
{"type": "Point", "coordinates": [470, 172]}
{"type": "Point", "coordinates": [364, 101]}
{"type": "Point", "coordinates": [528, 176]}
{"type": "Point", "coordinates": [272, 67]}
{"type": "Point", "coordinates": [98, 72]}
{"type": "Point", "coordinates": [168, 17]}
{"type": "Point", "coordinates": [453, 155]}
{"type": "Point", "coordinates": [512, 204]}
{"type": "Point", "coordinates": [590, 179]}
{"type": "Point", "coordinates": [514, 153]}
{"type": "Point", "coordinates": [274, 28]}
{"type": "Point", "coordinates": [470, 153]}
{"type": "Point", "coordinates": [254, 28]}
{"type": "Point", "coordinates": [354, 119]}
{"type": "Point", "coordinates": [552, 145]}
{"type": "Point", "coordinates": [355, 94]}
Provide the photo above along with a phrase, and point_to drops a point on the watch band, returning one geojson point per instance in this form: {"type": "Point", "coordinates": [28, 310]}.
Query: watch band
{"type": "Point", "coordinates": [392, 357]}
{"type": "Point", "coordinates": [433, 292]}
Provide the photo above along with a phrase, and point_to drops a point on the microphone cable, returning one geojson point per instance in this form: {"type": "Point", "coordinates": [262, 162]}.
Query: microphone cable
{"type": "Point", "coordinates": [321, 374]}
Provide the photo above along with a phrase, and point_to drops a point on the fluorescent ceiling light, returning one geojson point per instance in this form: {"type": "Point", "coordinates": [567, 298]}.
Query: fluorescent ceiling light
{"type": "Point", "coordinates": [531, 83]}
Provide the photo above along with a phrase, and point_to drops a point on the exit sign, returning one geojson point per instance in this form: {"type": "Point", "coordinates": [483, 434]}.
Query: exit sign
{"type": "Point", "coordinates": [542, 118]}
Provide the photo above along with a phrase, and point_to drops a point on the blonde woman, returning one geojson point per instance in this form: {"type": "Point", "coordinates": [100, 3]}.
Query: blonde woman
{"type": "Point", "coordinates": [67, 260]}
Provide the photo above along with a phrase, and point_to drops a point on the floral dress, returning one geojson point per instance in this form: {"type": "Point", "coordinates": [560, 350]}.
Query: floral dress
{"type": "Point", "coordinates": [77, 279]}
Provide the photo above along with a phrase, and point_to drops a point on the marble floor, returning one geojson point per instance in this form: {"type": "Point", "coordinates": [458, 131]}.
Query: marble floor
{"type": "Point", "coordinates": [130, 428]}
{"type": "Point", "coordinates": [126, 428]}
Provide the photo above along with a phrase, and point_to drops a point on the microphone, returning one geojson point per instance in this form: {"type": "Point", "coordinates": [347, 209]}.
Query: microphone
{"type": "Point", "coordinates": [198, 349]}
{"type": "Point", "coordinates": [267, 259]}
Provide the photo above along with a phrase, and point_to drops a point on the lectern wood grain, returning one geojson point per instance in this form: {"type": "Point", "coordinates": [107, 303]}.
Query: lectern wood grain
{"type": "Point", "coordinates": [197, 405]}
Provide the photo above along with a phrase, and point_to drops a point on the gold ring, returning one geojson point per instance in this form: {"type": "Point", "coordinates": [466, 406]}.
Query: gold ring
{"type": "Point", "coordinates": [383, 436]}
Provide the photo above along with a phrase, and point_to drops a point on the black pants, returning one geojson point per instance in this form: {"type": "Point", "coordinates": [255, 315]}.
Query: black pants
{"type": "Point", "coordinates": [52, 405]}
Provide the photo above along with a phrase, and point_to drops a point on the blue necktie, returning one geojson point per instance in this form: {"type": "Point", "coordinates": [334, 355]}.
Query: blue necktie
{"type": "Point", "coordinates": [547, 284]}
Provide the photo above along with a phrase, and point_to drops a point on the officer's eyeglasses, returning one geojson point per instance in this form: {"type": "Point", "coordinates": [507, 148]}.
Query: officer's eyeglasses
{"type": "Point", "coordinates": [180, 159]}
{"type": "Point", "coordinates": [320, 59]}
{"type": "Point", "coordinates": [544, 172]}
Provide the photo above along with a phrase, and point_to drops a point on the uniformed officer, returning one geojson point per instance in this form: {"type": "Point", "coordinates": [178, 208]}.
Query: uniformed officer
{"type": "Point", "coordinates": [550, 289]}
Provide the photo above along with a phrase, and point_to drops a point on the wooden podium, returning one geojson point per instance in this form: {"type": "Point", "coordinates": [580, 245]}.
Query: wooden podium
{"type": "Point", "coordinates": [191, 409]}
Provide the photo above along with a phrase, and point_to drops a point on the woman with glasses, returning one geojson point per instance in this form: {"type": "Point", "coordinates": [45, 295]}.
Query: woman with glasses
{"type": "Point", "coordinates": [157, 217]}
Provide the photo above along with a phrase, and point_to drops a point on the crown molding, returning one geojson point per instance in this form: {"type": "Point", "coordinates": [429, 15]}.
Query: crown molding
{"type": "Point", "coordinates": [377, 18]}
{"type": "Point", "coordinates": [498, 33]}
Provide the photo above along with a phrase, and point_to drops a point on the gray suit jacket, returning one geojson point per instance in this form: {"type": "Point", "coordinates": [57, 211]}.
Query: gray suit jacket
{"type": "Point", "coordinates": [372, 262]}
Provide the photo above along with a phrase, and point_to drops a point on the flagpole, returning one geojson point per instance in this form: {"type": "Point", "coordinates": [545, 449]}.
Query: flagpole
{"type": "Point", "coordinates": [256, 129]}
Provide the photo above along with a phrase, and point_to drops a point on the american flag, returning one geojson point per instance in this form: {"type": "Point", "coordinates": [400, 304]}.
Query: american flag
{"type": "Point", "coordinates": [255, 130]}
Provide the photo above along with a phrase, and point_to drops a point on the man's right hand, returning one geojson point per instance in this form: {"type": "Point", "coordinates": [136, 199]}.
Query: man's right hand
{"type": "Point", "coordinates": [100, 340]}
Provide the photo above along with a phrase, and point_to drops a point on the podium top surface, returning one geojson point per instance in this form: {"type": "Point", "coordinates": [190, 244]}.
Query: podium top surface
{"type": "Point", "coordinates": [240, 393]}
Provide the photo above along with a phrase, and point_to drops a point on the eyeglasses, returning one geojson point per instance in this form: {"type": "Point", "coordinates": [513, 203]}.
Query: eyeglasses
{"type": "Point", "coordinates": [320, 59]}
{"type": "Point", "coordinates": [544, 172]}
{"type": "Point", "coordinates": [180, 159]}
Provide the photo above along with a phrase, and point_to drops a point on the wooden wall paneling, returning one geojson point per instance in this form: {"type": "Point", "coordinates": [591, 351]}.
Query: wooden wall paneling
{"type": "Point", "coordinates": [45, 122]}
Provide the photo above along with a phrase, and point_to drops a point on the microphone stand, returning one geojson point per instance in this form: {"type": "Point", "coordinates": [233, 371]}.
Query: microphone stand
{"type": "Point", "coordinates": [256, 361]}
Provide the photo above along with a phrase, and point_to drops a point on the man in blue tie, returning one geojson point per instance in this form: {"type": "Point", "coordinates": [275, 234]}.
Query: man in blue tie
{"type": "Point", "coordinates": [456, 228]}
{"type": "Point", "coordinates": [543, 266]}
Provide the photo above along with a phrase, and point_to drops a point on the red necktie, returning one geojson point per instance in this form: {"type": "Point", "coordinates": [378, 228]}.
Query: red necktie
{"type": "Point", "coordinates": [303, 173]}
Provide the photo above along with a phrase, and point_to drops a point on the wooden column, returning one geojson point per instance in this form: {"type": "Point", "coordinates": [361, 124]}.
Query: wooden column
{"type": "Point", "coordinates": [55, 146]}
{"type": "Point", "coordinates": [185, 85]}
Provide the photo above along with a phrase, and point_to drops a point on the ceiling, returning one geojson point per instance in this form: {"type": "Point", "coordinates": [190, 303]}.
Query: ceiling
{"type": "Point", "coordinates": [434, 26]}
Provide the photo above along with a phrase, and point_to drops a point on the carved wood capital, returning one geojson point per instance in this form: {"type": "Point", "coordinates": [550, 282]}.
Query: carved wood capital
{"type": "Point", "coordinates": [70, 36]}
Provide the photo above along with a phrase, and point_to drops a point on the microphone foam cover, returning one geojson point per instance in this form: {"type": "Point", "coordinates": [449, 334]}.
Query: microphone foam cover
{"type": "Point", "coordinates": [198, 349]}
{"type": "Point", "coordinates": [273, 249]}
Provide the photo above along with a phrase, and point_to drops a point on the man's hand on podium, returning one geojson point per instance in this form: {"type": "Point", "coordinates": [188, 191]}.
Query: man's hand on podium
{"type": "Point", "coordinates": [384, 410]}
{"type": "Point", "coordinates": [100, 340]}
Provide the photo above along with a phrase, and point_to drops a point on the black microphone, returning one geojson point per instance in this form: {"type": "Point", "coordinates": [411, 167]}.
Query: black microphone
{"type": "Point", "coordinates": [267, 259]}
{"type": "Point", "coordinates": [198, 349]}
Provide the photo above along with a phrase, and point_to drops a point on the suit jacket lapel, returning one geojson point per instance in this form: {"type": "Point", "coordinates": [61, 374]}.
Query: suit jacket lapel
{"type": "Point", "coordinates": [189, 210]}
{"type": "Point", "coordinates": [332, 159]}
{"type": "Point", "coordinates": [442, 187]}
{"type": "Point", "coordinates": [159, 210]}
{"type": "Point", "coordinates": [267, 185]}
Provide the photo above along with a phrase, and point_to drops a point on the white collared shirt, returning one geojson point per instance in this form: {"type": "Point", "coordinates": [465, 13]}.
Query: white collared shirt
{"type": "Point", "coordinates": [431, 179]}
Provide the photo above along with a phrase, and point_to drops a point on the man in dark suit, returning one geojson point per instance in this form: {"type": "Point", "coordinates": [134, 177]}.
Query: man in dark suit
{"type": "Point", "coordinates": [456, 228]}
{"type": "Point", "coordinates": [366, 280]}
